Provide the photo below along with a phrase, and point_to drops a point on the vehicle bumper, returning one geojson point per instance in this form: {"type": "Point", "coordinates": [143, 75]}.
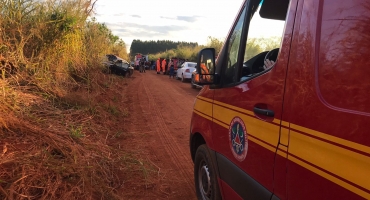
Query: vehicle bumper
{"type": "Point", "coordinates": [187, 75]}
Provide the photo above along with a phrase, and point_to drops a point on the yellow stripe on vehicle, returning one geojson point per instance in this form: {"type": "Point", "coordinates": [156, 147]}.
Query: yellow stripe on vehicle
{"type": "Point", "coordinates": [268, 147]}
{"type": "Point", "coordinates": [205, 99]}
{"type": "Point", "coordinates": [234, 108]}
{"type": "Point", "coordinates": [203, 115]}
{"type": "Point", "coordinates": [284, 136]}
{"type": "Point", "coordinates": [331, 178]}
{"type": "Point", "coordinates": [203, 107]}
{"type": "Point", "coordinates": [327, 156]}
{"type": "Point", "coordinates": [282, 151]}
{"type": "Point", "coordinates": [221, 124]}
{"type": "Point", "coordinates": [266, 132]}
{"type": "Point", "coordinates": [283, 123]}
{"type": "Point", "coordinates": [337, 140]}
{"type": "Point", "coordinates": [342, 162]}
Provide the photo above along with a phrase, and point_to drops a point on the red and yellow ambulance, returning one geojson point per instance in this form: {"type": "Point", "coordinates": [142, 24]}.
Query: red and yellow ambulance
{"type": "Point", "coordinates": [294, 129]}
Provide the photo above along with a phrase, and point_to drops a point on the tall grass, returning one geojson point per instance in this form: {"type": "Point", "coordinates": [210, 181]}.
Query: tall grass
{"type": "Point", "coordinates": [48, 50]}
{"type": "Point", "coordinates": [51, 44]}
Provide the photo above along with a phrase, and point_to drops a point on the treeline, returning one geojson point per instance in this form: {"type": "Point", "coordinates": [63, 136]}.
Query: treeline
{"type": "Point", "coordinates": [189, 52]}
{"type": "Point", "coordinates": [153, 47]}
{"type": "Point", "coordinates": [254, 46]}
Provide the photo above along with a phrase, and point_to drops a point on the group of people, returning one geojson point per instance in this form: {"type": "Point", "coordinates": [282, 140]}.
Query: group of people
{"type": "Point", "coordinates": [162, 65]}
{"type": "Point", "coordinates": [168, 66]}
{"type": "Point", "coordinates": [142, 64]}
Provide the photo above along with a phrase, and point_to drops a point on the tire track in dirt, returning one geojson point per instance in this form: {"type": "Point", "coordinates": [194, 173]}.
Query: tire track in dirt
{"type": "Point", "coordinates": [181, 159]}
{"type": "Point", "coordinates": [181, 98]}
{"type": "Point", "coordinates": [165, 106]}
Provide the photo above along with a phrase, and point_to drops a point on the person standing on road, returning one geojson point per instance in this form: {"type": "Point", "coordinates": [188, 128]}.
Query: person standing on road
{"type": "Point", "coordinates": [164, 66]}
{"type": "Point", "coordinates": [144, 63]}
{"type": "Point", "coordinates": [152, 65]}
{"type": "Point", "coordinates": [141, 65]}
{"type": "Point", "coordinates": [158, 65]}
{"type": "Point", "coordinates": [172, 69]}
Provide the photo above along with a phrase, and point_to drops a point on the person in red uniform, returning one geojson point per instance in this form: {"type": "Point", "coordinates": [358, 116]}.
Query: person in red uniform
{"type": "Point", "coordinates": [164, 66]}
{"type": "Point", "coordinates": [158, 65]}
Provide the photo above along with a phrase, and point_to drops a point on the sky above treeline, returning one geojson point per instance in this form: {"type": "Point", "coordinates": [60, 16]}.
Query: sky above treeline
{"type": "Point", "coordinates": [179, 20]}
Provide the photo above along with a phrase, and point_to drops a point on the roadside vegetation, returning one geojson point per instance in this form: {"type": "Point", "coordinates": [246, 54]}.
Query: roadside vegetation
{"type": "Point", "coordinates": [190, 52]}
{"type": "Point", "coordinates": [56, 128]}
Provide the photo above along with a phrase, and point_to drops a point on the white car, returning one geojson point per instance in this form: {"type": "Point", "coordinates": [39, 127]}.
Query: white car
{"type": "Point", "coordinates": [185, 71]}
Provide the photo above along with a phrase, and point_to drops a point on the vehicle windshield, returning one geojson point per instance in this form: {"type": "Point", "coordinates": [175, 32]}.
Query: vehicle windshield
{"type": "Point", "coordinates": [192, 64]}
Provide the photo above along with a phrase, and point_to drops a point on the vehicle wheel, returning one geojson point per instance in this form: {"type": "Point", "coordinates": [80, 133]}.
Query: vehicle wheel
{"type": "Point", "coordinates": [182, 78]}
{"type": "Point", "coordinates": [176, 77]}
{"type": "Point", "coordinates": [193, 86]}
{"type": "Point", "coordinates": [206, 184]}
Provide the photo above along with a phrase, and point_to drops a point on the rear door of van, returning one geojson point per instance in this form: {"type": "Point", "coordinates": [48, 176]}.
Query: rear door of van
{"type": "Point", "coordinates": [328, 101]}
{"type": "Point", "coordinates": [248, 100]}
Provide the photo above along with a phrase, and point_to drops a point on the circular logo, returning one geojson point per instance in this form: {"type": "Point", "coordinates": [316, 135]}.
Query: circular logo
{"type": "Point", "coordinates": [238, 139]}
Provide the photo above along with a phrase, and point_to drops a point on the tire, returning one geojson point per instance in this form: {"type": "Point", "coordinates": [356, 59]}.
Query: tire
{"type": "Point", "coordinates": [193, 86]}
{"type": "Point", "coordinates": [206, 184]}
{"type": "Point", "coordinates": [182, 78]}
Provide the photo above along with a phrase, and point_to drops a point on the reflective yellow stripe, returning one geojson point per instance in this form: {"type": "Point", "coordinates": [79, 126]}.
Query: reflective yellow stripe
{"type": "Point", "coordinates": [349, 165]}
{"type": "Point", "coordinates": [203, 107]}
{"type": "Point", "coordinates": [342, 162]}
{"type": "Point", "coordinates": [221, 124]}
{"type": "Point", "coordinates": [268, 147]}
{"type": "Point", "coordinates": [337, 140]}
{"type": "Point", "coordinates": [205, 99]}
{"type": "Point", "coordinates": [266, 132]}
{"type": "Point", "coordinates": [203, 115]}
{"type": "Point", "coordinates": [284, 136]}
{"type": "Point", "coordinates": [234, 108]}
{"type": "Point", "coordinates": [331, 178]}
{"type": "Point", "coordinates": [282, 151]}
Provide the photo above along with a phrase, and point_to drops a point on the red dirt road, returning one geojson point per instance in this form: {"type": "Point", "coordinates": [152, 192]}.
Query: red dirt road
{"type": "Point", "coordinates": [158, 132]}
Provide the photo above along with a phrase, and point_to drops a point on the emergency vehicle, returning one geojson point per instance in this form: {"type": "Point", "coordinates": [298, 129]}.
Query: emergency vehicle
{"type": "Point", "coordinates": [137, 58]}
{"type": "Point", "coordinates": [296, 129]}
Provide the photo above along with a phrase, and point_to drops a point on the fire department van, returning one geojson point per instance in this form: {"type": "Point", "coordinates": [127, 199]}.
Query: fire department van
{"type": "Point", "coordinates": [285, 111]}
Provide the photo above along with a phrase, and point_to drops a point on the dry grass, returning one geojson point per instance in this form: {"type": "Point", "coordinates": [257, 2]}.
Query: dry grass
{"type": "Point", "coordinates": [59, 148]}
{"type": "Point", "coordinates": [55, 125]}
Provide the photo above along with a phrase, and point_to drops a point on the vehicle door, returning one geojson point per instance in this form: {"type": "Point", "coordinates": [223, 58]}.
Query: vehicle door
{"type": "Point", "coordinates": [248, 99]}
{"type": "Point", "coordinates": [327, 102]}
{"type": "Point", "coordinates": [179, 71]}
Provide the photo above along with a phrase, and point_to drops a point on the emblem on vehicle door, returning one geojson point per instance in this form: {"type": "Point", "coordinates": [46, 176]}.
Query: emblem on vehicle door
{"type": "Point", "coordinates": [238, 139]}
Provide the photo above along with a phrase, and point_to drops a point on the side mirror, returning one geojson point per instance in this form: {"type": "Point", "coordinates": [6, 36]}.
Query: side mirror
{"type": "Point", "coordinates": [206, 66]}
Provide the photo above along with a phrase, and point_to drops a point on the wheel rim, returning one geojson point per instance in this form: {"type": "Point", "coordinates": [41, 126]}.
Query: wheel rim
{"type": "Point", "coordinates": [204, 180]}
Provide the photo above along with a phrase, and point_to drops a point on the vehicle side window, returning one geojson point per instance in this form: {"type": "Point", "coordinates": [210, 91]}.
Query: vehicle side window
{"type": "Point", "coordinates": [343, 70]}
{"type": "Point", "coordinates": [230, 73]}
{"type": "Point", "coordinates": [263, 41]}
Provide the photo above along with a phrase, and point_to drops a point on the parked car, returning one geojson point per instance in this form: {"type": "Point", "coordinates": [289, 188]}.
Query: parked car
{"type": "Point", "coordinates": [185, 71]}
{"type": "Point", "coordinates": [117, 65]}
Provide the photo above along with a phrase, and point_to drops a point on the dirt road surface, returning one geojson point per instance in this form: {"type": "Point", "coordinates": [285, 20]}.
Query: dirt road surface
{"type": "Point", "coordinates": [158, 132]}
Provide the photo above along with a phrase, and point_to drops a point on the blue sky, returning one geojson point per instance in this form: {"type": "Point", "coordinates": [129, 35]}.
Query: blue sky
{"type": "Point", "coordinates": [179, 20]}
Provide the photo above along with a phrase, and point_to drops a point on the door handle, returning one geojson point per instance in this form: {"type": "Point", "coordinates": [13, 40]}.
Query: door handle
{"type": "Point", "coordinates": [268, 113]}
